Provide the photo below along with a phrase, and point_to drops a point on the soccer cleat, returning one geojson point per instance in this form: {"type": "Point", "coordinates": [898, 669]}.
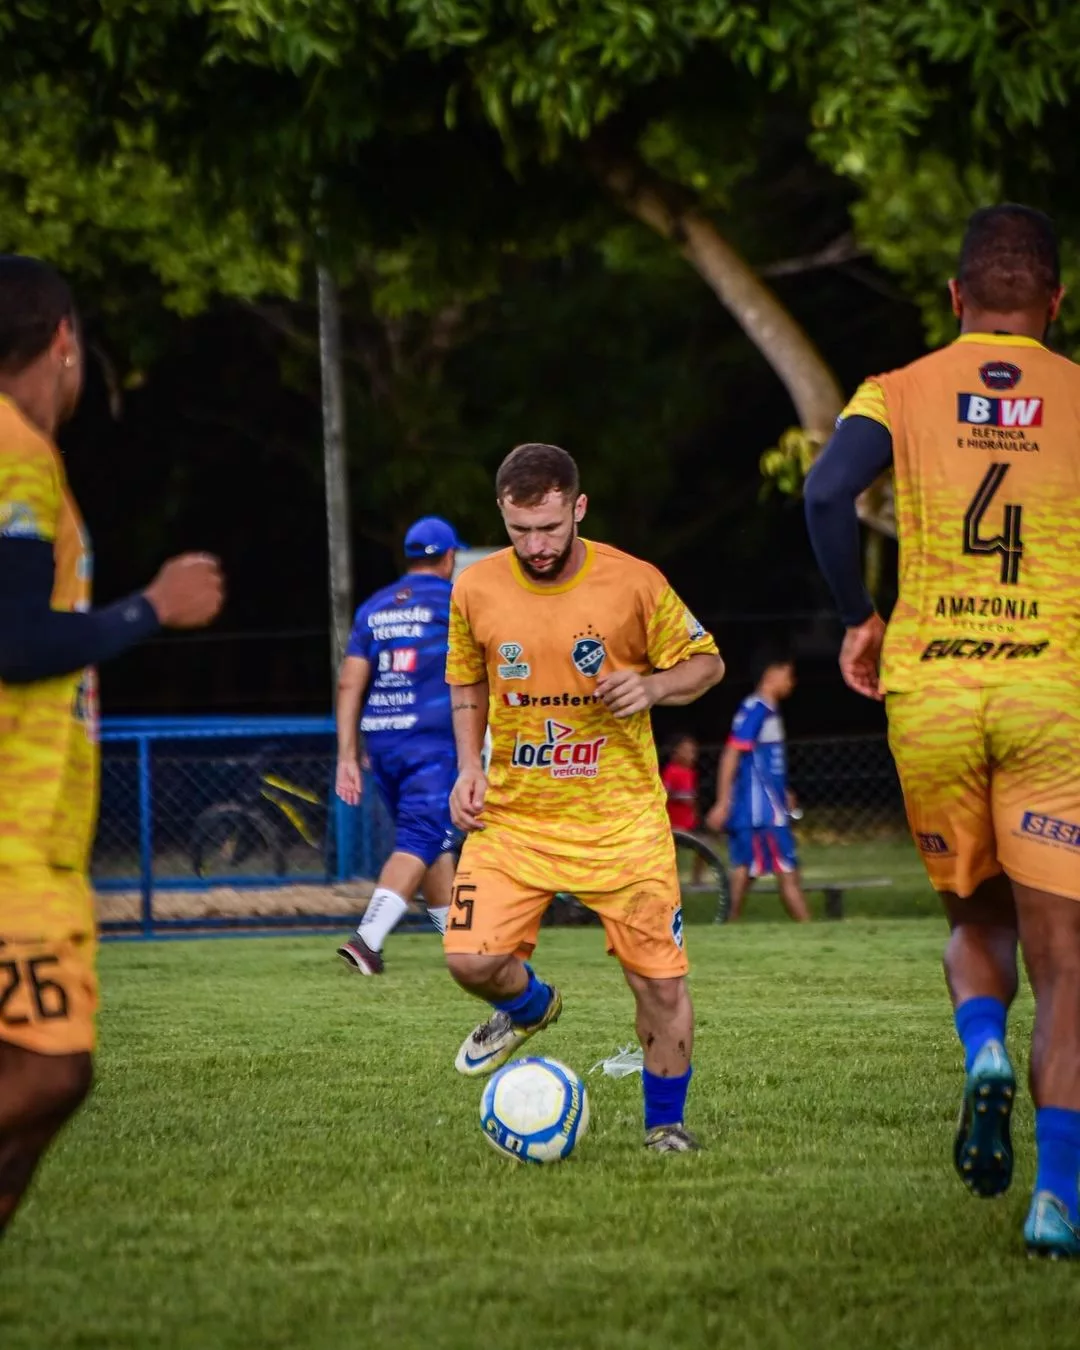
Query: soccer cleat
{"type": "Point", "coordinates": [357, 954]}
{"type": "Point", "coordinates": [494, 1041]}
{"type": "Point", "coordinates": [1047, 1230]}
{"type": "Point", "coordinates": [982, 1153]}
{"type": "Point", "coordinates": [671, 1139]}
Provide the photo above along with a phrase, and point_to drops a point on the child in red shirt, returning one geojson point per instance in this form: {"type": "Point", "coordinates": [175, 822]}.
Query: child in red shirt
{"type": "Point", "coordinates": [680, 779]}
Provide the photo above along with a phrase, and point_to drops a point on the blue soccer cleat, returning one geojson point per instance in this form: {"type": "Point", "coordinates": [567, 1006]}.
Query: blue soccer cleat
{"type": "Point", "coordinates": [1047, 1230]}
{"type": "Point", "coordinates": [983, 1152]}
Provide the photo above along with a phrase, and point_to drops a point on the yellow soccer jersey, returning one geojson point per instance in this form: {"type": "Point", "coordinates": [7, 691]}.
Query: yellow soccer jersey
{"type": "Point", "coordinates": [986, 453]}
{"type": "Point", "coordinates": [566, 777]}
{"type": "Point", "coordinates": [48, 729]}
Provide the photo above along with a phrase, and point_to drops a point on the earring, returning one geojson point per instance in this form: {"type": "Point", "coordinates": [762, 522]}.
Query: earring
{"type": "Point", "coordinates": [69, 361]}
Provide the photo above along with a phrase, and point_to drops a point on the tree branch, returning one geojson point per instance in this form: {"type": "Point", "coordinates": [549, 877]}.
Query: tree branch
{"type": "Point", "coordinates": [841, 250]}
{"type": "Point", "coordinates": [675, 214]}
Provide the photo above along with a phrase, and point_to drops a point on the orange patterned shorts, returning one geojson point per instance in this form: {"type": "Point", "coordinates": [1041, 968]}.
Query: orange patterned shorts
{"type": "Point", "coordinates": [48, 977]}
{"type": "Point", "coordinates": [496, 912]}
{"type": "Point", "coordinates": [991, 780]}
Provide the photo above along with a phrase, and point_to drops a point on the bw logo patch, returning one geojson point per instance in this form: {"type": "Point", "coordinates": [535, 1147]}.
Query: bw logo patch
{"type": "Point", "coordinates": [588, 653]}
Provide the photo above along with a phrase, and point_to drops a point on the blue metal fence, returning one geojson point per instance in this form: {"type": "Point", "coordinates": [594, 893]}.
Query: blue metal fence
{"type": "Point", "coordinates": [195, 804]}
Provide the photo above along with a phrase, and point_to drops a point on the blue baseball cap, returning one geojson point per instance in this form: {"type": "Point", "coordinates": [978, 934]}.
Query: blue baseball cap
{"type": "Point", "coordinates": [431, 537]}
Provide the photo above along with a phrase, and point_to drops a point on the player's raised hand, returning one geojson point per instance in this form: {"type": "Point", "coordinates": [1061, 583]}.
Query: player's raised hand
{"type": "Point", "coordinates": [860, 657]}
{"type": "Point", "coordinates": [188, 592]}
{"type": "Point", "coordinates": [349, 783]}
{"type": "Point", "coordinates": [467, 799]}
{"type": "Point", "coordinates": [625, 692]}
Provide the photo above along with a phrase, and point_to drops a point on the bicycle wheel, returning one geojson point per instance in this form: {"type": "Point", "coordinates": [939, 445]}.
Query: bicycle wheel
{"type": "Point", "coordinates": [230, 838]}
{"type": "Point", "coordinates": [703, 878]}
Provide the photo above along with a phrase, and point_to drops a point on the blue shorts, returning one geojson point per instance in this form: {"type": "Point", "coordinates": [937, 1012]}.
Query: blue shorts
{"type": "Point", "coordinates": [416, 790]}
{"type": "Point", "coordinates": [764, 851]}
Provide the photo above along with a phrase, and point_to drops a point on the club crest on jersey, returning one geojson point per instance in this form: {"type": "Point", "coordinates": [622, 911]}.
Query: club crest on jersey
{"type": "Point", "coordinates": [1000, 375]}
{"type": "Point", "coordinates": [515, 668]}
{"type": "Point", "coordinates": [562, 756]}
{"type": "Point", "coordinates": [85, 706]}
{"type": "Point", "coordinates": [677, 927]}
{"type": "Point", "coordinates": [588, 653]}
{"type": "Point", "coordinates": [980, 411]}
{"type": "Point", "coordinates": [18, 521]}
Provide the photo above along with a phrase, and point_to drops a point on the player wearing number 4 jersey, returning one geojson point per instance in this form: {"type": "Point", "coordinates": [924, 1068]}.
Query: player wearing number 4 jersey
{"type": "Point", "coordinates": [49, 641]}
{"type": "Point", "coordinates": [980, 670]}
{"type": "Point", "coordinates": [562, 646]}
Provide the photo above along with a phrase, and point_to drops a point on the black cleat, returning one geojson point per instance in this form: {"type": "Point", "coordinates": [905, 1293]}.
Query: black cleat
{"type": "Point", "coordinates": [671, 1139]}
{"type": "Point", "coordinates": [357, 954]}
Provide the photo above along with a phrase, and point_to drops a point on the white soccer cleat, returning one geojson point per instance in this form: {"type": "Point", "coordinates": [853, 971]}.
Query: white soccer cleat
{"type": "Point", "coordinates": [495, 1041]}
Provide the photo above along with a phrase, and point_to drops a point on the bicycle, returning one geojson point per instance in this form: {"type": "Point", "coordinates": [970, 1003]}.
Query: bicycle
{"type": "Point", "coordinates": [245, 831]}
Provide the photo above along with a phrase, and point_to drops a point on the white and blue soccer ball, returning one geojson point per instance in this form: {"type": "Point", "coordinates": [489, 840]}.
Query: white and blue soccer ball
{"type": "Point", "coordinates": [534, 1110]}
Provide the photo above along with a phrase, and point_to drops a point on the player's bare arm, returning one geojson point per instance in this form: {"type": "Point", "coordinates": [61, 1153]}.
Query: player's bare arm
{"type": "Point", "coordinates": [725, 779]}
{"type": "Point", "coordinates": [352, 682]}
{"type": "Point", "coordinates": [860, 657]}
{"type": "Point", "coordinates": [469, 709]}
{"type": "Point", "coordinates": [626, 692]}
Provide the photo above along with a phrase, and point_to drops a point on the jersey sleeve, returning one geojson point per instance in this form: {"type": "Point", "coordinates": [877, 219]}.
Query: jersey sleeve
{"type": "Point", "coordinates": [465, 662]}
{"type": "Point", "coordinates": [360, 637]}
{"type": "Point", "coordinates": [746, 727]}
{"type": "Point", "coordinates": [30, 494]}
{"type": "Point", "coordinates": [674, 634]}
{"type": "Point", "coordinates": [868, 401]}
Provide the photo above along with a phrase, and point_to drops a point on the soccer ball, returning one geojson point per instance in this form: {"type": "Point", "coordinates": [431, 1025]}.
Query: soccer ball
{"type": "Point", "coordinates": [534, 1110]}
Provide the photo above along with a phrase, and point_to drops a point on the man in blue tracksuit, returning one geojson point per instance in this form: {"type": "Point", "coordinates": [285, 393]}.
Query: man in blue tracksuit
{"type": "Point", "coordinates": [395, 671]}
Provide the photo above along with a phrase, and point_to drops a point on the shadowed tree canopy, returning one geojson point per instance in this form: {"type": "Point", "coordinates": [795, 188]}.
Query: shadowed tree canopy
{"type": "Point", "coordinates": [434, 151]}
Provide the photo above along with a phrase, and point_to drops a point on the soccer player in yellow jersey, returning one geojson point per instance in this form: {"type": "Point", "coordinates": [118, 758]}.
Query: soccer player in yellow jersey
{"type": "Point", "coordinates": [49, 641]}
{"type": "Point", "coordinates": [980, 671]}
{"type": "Point", "coordinates": [561, 646]}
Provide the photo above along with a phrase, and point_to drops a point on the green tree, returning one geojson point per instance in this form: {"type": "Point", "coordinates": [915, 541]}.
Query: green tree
{"type": "Point", "coordinates": [435, 141]}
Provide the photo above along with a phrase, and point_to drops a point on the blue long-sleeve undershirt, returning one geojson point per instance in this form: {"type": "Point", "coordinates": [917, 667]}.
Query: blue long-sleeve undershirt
{"type": "Point", "coordinates": [38, 642]}
{"type": "Point", "coordinates": [859, 451]}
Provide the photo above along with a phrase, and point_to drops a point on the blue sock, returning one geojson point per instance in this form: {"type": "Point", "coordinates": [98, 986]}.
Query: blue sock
{"type": "Point", "coordinates": [530, 1005]}
{"type": "Point", "coordinates": [979, 1020]}
{"type": "Point", "coordinates": [665, 1098]}
{"type": "Point", "coordinates": [1057, 1136]}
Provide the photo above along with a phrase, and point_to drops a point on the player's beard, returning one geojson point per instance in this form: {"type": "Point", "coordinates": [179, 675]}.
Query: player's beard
{"type": "Point", "coordinates": [555, 568]}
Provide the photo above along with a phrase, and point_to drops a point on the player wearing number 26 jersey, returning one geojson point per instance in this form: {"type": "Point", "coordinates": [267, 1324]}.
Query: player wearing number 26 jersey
{"type": "Point", "coordinates": [980, 670]}
{"type": "Point", "coordinates": [560, 646]}
{"type": "Point", "coordinates": [50, 640]}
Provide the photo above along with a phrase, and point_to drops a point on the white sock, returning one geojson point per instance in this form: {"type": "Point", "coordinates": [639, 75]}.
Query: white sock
{"type": "Point", "coordinates": [439, 916]}
{"type": "Point", "coordinates": [384, 910]}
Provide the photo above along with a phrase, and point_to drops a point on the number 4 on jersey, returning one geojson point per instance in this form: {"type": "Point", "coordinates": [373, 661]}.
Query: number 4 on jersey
{"type": "Point", "coordinates": [1008, 543]}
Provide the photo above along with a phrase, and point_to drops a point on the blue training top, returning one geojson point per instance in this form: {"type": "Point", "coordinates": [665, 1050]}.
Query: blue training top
{"type": "Point", "coordinates": [402, 631]}
{"type": "Point", "coordinates": [759, 793]}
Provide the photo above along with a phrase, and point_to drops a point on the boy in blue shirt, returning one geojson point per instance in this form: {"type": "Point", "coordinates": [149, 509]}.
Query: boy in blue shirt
{"type": "Point", "coordinates": [753, 802]}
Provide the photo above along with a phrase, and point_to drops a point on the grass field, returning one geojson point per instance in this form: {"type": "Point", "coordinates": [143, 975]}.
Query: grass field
{"type": "Point", "coordinates": [278, 1154]}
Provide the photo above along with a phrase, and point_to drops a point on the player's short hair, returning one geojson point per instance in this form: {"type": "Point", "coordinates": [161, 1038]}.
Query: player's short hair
{"type": "Point", "coordinates": [33, 300]}
{"type": "Point", "coordinates": [529, 472]}
{"type": "Point", "coordinates": [1009, 259]}
{"type": "Point", "coordinates": [770, 657]}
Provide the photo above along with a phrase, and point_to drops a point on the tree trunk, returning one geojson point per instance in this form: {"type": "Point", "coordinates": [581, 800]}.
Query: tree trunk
{"type": "Point", "coordinates": [675, 215]}
{"type": "Point", "coordinates": [339, 548]}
